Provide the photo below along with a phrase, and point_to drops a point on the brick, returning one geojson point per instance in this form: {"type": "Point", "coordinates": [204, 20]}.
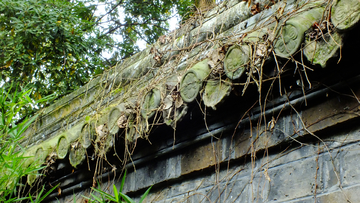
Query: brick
{"type": "Point", "coordinates": [242, 143]}
{"type": "Point", "coordinates": [184, 187]}
{"type": "Point", "coordinates": [262, 138]}
{"type": "Point", "coordinates": [260, 187]}
{"type": "Point", "coordinates": [330, 113]}
{"type": "Point", "coordinates": [199, 158]}
{"type": "Point", "coordinates": [285, 127]}
{"type": "Point", "coordinates": [226, 149]}
{"type": "Point", "coordinates": [159, 196]}
{"type": "Point", "coordinates": [238, 191]}
{"type": "Point", "coordinates": [330, 169]}
{"type": "Point", "coordinates": [157, 171]}
{"type": "Point", "coordinates": [173, 167]}
{"type": "Point", "coordinates": [291, 155]}
{"type": "Point", "coordinates": [291, 181]}
{"type": "Point", "coordinates": [177, 199]}
{"type": "Point", "coordinates": [130, 182]}
{"type": "Point", "coordinates": [350, 165]}
{"type": "Point", "coordinates": [224, 192]}
{"type": "Point", "coordinates": [347, 195]}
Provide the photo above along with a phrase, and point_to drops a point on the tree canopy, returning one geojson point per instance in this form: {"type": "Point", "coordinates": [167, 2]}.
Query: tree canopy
{"type": "Point", "coordinates": [55, 46]}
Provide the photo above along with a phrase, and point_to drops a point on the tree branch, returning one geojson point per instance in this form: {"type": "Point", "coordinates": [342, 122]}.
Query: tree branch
{"type": "Point", "coordinates": [108, 12]}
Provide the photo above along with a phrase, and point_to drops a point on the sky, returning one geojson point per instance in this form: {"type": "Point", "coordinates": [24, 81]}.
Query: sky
{"type": "Point", "coordinates": [173, 23]}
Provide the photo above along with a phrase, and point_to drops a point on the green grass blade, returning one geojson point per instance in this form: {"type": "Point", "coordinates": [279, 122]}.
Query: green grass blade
{"type": "Point", "coordinates": [46, 194]}
{"type": "Point", "coordinates": [116, 193]}
{"type": "Point", "coordinates": [145, 194]}
{"type": "Point", "coordinates": [126, 198]}
{"type": "Point", "coordinates": [96, 198]}
{"type": "Point", "coordinates": [123, 181]}
{"type": "Point", "coordinates": [107, 196]}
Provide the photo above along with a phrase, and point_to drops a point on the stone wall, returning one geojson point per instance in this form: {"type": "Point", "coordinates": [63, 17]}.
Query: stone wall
{"type": "Point", "coordinates": [279, 127]}
{"type": "Point", "coordinates": [309, 155]}
{"type": "Point", "coordinates": [300, 173]}
{"type": "Point", "coordinates": [282, 165]}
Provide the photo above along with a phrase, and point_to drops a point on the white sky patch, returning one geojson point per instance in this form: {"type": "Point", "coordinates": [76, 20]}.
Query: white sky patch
{"type": "Point", "coordinates": [174, 20]}
{"type": "Point", "coordinates": [173, 24]}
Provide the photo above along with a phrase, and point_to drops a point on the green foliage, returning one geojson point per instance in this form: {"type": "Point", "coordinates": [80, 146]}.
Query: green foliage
{"type": "Point", "coordinates": [13, 163]}
{"type": "Point", "coordinates": [50, 44]}
{"type": "Point", "coordinates": [118, 197]}
{"type": "Point", "coordinates": [56, 46]}
{"type": "Point", "coordinates": [40, 196]}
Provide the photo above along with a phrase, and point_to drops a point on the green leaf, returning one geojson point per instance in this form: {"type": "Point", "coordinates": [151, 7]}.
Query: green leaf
{"type": "Point", "coordinates": [145, 194]}
{"type": "Point", "coordinates": [96, 198]}
{"type": "Point", "coordinates": [126, 198]}
{"type": "Point", "coordinates": [116, 193]}
{"type": "Point", "coordinates": [46, 194]}
{"type": "Point", "coordinates": [107, 196]}
{"type": "Point", "coordinates": [26, 125]}
{"type": "Point", "coordinates": [123, 181]}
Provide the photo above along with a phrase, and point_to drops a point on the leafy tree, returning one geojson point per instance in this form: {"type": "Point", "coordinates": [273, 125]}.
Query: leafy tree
{"type": "Point", "coordinates": [50, 44]}
{"type": "Point", "coordinates": [57, 45]}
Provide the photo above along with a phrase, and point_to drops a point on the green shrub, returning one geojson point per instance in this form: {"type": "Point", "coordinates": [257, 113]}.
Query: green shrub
{"type": "Point", "coordinates": [118, 197]}
{"type": "Point", "coordinates": [12, 160]}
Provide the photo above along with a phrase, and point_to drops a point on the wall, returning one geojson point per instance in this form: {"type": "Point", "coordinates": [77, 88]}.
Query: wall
{"type": "Point", "coordinates": [322, 167]}
{"type": "Point", "coordinates": [310, 155]}
{"type": "Point", "coordinates": [282, 130]}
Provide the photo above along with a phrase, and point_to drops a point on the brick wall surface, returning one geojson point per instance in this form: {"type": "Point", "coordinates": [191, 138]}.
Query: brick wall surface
{"type": "Point", "coordinates": [283, 164]}
{"type": "Point", "coordinates": [307, 172]}
{"type": "Point", "coordinates": [305, 147]}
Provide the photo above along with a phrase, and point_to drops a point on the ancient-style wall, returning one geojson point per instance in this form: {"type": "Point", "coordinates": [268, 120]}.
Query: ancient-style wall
{"type": "Point", "coordinates": [252, 101]}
